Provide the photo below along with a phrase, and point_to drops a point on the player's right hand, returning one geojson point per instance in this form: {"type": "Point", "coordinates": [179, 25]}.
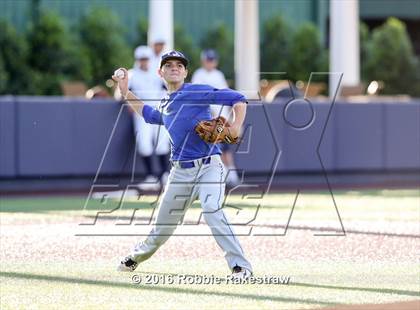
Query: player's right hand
{"type": "Point", "coordinates": [122, 81]}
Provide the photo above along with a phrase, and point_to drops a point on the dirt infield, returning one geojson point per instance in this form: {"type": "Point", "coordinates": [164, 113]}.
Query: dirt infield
{"type": "Point", "coordinates": [43, 238]}
{"type": "Point", "coordinates": [375, 264]}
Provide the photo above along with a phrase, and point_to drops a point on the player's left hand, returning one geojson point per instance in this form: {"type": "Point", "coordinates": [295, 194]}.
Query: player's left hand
{"type": "Point", "coordinates": [217, 130]}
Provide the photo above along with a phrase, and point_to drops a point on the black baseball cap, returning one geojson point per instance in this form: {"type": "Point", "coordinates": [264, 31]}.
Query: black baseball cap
{"type": "Point", "coordinates": [173, 55]}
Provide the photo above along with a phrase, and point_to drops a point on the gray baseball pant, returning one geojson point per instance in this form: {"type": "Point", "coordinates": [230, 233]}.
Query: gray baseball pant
{"type": "Point", "coordinates": [207, 182]}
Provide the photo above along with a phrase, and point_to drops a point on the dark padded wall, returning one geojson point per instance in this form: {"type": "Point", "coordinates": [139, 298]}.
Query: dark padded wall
{"type": "Point", "coordinates": [7, 137]}
{"type": "Point", "coordinates": [260, 145]}
{"type": "Point", "coordinates": [303, 133]}
{"type": "Point", "coordinates": [360, 139]}
{"type": "Point", "coordinates": [402, 125]}
{"type": "Point", "coordinates": [54, 136]}
{"type": "Point", "coordinates": [67, 137]}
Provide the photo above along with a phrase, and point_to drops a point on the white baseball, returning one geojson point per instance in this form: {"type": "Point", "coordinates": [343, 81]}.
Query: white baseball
{"type": "Point", "coordinates": [119, 73]}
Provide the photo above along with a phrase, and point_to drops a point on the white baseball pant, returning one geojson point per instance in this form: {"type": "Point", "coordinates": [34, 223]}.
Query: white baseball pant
{"type": "Point", "coordinates": [150, 138]}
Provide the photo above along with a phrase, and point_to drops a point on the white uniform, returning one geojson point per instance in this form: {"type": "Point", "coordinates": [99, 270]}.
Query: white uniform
{"type": "Point", "coordinates": [214, 78]}
{"type": "Point", "coordinates": [147, 86]}
{"type": "Point", "coordinates": [154, 62]}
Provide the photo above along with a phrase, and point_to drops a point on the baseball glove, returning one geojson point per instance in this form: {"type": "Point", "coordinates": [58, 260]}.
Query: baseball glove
{"type": "Point", "coordinates": [216, 131]}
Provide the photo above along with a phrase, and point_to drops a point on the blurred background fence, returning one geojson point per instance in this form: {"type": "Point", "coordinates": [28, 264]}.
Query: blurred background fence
{"type": "Point", "coordinates": [60, 138]}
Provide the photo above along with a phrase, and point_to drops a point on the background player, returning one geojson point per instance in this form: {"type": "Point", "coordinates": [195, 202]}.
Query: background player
{"type": "Point", "coordinates": [146, 84]}
{"type": "Point", "coordinates": [158, 48]}
{"type": "Point", "coordinates": [197, 170]}
{"type": "Point", "coordinates": [209, 74]}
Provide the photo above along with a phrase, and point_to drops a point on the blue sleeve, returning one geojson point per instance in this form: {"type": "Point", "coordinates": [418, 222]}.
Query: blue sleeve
{"type": "Point", "coordinates": [151, 115]}
{"type": "Point", "coordinates": [225, 96]}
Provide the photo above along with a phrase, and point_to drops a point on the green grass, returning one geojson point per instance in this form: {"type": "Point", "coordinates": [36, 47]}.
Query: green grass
{"type": "Point", "coordinates": [44, 265]}
{"type": "Point", "coordinates": [390, 205]}
{"type": "Point", "coordinates": [90, 285]}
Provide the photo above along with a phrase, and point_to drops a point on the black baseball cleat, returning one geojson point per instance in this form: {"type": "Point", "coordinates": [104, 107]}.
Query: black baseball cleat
{"type": "Point", "coordinates": [127, 265]}
{"type": "Point", "coordinates": [240, 273]}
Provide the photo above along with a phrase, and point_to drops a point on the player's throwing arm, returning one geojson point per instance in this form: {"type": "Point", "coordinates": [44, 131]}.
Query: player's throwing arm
{"type": "Point", "coordinates": [121, 77]}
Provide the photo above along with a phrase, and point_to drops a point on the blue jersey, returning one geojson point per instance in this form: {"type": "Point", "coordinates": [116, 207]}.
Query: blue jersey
{"type": "Point", "coordinates": [181, 111]}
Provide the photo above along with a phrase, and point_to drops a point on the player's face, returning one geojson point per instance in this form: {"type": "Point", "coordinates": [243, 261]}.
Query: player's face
{"type": "Point", "coordinates": [143, 64]}
{"type": "Point", "coordinates": [210, 64]}
{"type": "Point", "coordinates": [173, 71]}
{"type": "Point", "coordinates": [158, 47]}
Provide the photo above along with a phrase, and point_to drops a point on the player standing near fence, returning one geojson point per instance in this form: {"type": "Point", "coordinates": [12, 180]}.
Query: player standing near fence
{"type": "Point", "coordinates": [210, 75]}
{"type": "Point", "coordinates": [197, 170]}
{"type": "Point", "coordinates": [150, 139]}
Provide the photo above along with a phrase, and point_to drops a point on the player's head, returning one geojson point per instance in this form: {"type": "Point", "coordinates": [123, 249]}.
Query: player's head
{"type": "Point", "coordinates": [158, 43]}
{"type": "Point", "coordinates": [142, 56]}
{"type": "Point", "coordinates": [173, 67]}
{"type": "Point", "coordinates": [209, 59]}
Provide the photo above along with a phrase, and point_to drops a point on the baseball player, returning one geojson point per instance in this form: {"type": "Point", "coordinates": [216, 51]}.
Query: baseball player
{"type": "Point", "coordinates": [146, 85]}
{"type": "Point", "coordinates": [197, 170]}
{"type": "Point", "coordinates": [209, 74]}
{"type": "Point", "coordinates": [158, 48]}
